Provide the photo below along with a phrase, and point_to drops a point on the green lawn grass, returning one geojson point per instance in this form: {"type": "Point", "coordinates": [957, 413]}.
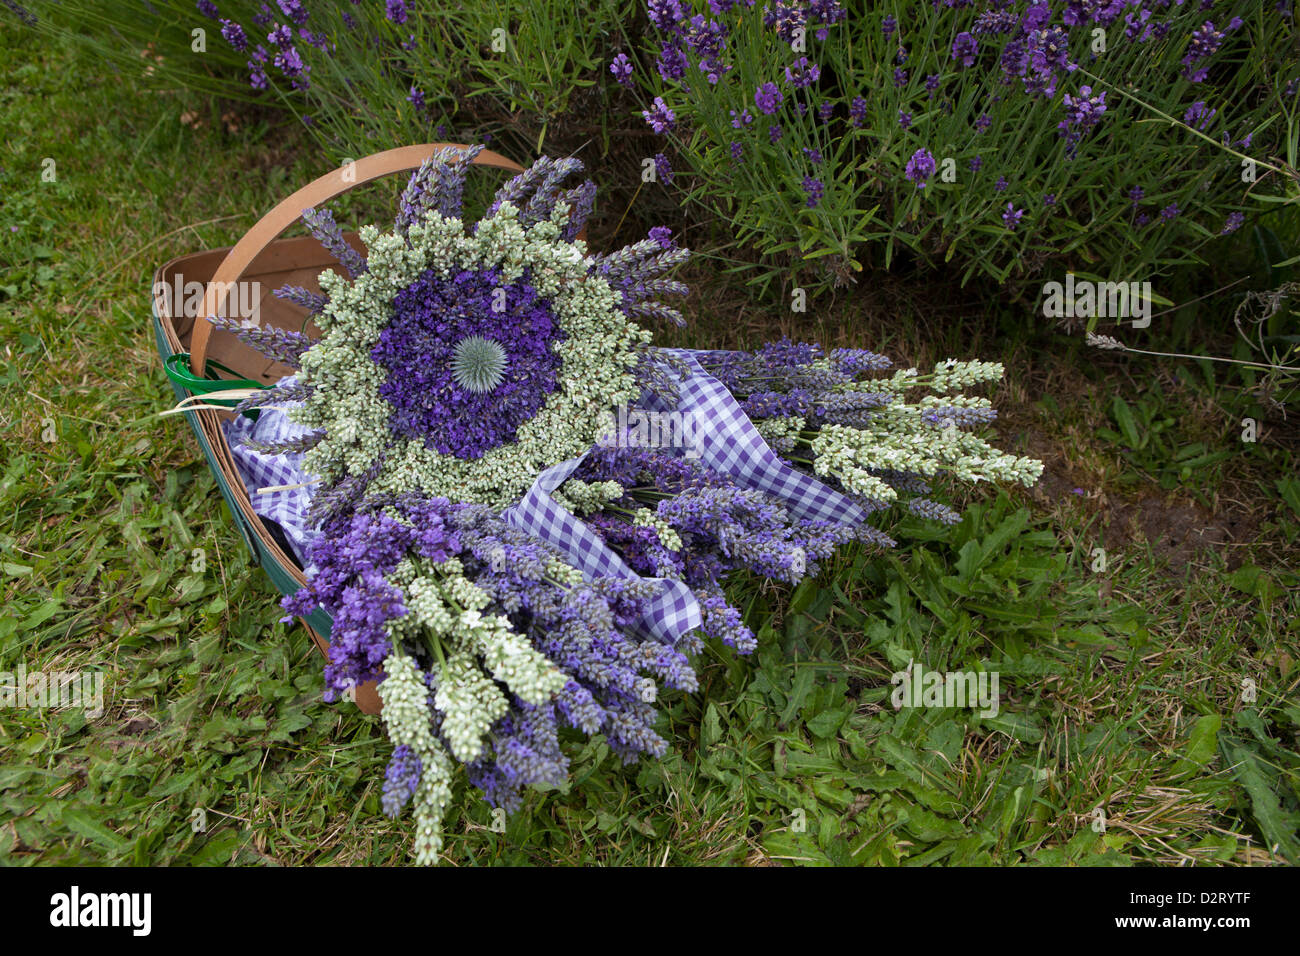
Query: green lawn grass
{"type": "Point", "coordinates": [1121, 689]}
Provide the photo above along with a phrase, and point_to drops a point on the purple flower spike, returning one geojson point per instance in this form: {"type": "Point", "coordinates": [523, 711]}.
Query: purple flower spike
{"type": "Point", "coordinates": [768, 98]}
{"type": "Point", "coordinates": [659, 116]}
{"type": "Point", "coordinates": [965, 49]}
{"type": "Point", "coordinates": [814, 189]}
{"type": "Point", "coordinates": [920, 167]}
{"type": "Point", "coordinates": [622, 69]}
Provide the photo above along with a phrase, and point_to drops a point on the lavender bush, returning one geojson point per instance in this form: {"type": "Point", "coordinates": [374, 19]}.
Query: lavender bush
{"type": "Point", "coordinates": [1119, 136]}
{"type": "Point", "coordinates": [365, 76]}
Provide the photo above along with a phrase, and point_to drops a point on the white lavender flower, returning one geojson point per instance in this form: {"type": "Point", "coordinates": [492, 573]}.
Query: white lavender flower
{"type": "Point", "coordinates": [470, 703]}
{"type": "Point", "coordinates": [407, 719]}
{"type": "Point", "coordinates": [667, 535]}
{"type": "Point", "coordinates": [581, 497]}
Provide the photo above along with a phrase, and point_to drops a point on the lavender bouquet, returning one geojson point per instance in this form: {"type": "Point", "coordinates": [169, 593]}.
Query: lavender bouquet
{"type": "Point", "coordinates": [503, 536]}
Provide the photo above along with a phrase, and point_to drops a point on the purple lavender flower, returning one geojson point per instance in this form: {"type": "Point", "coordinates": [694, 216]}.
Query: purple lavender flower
{"type": "Point", "coordinates": [785, 17]}
{"type": "Point", "coordinates": [1232, 223]}
{"type": "Point", "coordinates": [1137, 27]}
{"type": "Point", "coordinates": [1038, 15]}
{"type": "Point", "coordinates": [1001, 184]}
{"type": "Point", "coordinates": [1083, 113]}
{"type": "Point", "coordinates": [257, 78]}
{"type": "Point", "coordinates": [904, 120]}
{"type": "Point", "coordinates": [1135, 195]}
{"type": "Point", "coordinates": [1011, 216]}
{"type": "Point", "coordinates": [1198, 115]}
{"type": "Point", "coordinates": [281, 37]}
{"type": "Point", "coordinates": [802, 74]}
{"type": "Point", "coordinates": [664, 14]}
{"type": "Point", "coordinates": [525, 749]}
{"type": "Point", "coordinates": [964, 49]}
{"type": "Point", "coordinates": [293, 10]}
{"type": "Point", "coordinates": [663, 236]}
{"type": "Point", "coordinates": [774, 132]}
{"type": "Point", "coordinates": [826, 111]}
{"type": "Point", "coordinates": [1170, 212]}
{"type": "Point", "coordinates": [289, 62]}
{"type": "Point", "coordinates": [858, 111]}
{"type": "Point", "coordinates": [663, 168]}
{"type": "Point", "coordinates": [400, 780]}
{"type": "Point", "coordinates": [707, 39]}
{"type": "Point", "coordinates": [814, 156]}
{"type": "Point", "coordinates": [768, 98]}
{"type": "Point", "coordinates": [737, 151]}
{"type": "Point", "coordinates": [1204, 43]}
{"type": "Point", "coordinates": [234, 34]}
{"type": "Point", "coordinates": [279, 345]}
{"type": "Point", "coordinates": [1049, 199]}
{"type": "Point", "coordinates": [1047, 55]}
{"type": "Point", "coordinates": [312, 302]}
{"type": "Point", "coordinates": [416, 98]}
{"type": "Point", "coordinates": [742, 119]}
{"type": "Point", "coordinates": [395, 11]}
{"type": "Point", "coordinates": [659, 116]}
{"type": "Point", "coordinates": [208, 9]}
{"type": "Point", "coordinates": [983, 122]}
{"type": "Point", "coordinates": [900, 77]}
{"type": "Point", "coordinates": [672, 63]}
{"type": "Point", "coordinates": [933, 511]}
{"type": "Point", "coordinates": [975, 163]}
{"type": "Point", "coordinates": [920, 167]}
{"type": "Point", "coordinates": [932, 84]}
{"type": "Point", "coordinates": [888, 26]}
{"type": "Point", "coordinates": [622, 69]}
{"type": "Point", "coordinates": [814, 189]}
{"type": "Point", "coordinates": [319, 40]}
{"type": "Point", "coordinates": [1014, 59]}
{"type": "Point", "coordinates": [855, 362]}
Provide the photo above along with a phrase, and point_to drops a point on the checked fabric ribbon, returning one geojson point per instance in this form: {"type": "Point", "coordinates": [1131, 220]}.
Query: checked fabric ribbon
{"type": "Point", "coordinates": [726, 441]}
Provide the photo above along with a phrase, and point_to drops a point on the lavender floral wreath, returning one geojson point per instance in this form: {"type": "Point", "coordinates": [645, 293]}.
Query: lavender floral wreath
{"type": "Point", "coordinates": [450, 421]}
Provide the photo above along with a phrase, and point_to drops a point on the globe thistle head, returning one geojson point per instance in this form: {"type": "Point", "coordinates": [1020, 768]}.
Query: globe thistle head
{"type": "Point", "coordinates": [478, 364]}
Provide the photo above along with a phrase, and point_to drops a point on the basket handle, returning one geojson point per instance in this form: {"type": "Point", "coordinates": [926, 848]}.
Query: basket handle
{"type": "Point", "coordinates": [269, 227]}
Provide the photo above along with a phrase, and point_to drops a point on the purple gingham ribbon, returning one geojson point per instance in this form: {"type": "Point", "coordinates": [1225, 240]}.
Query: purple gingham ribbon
{"type": "Point", "coordinates": [727, 441]}
{"type": "Point", "coordinates": [730, 443]}
{"type": "Point", "coordinates": [669, 614]}
{"type": "Point", "coordinates": [288, 509]}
